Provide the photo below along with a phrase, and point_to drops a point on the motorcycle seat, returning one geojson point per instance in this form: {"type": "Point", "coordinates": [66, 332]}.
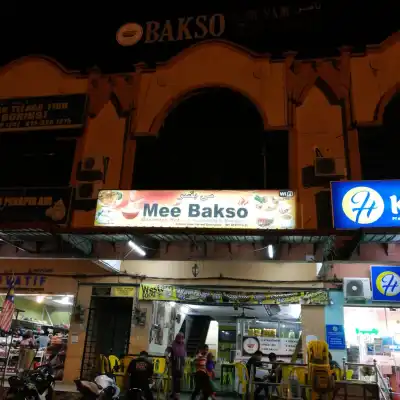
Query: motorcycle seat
{"type": "Point", "coordinates": [92, 386]}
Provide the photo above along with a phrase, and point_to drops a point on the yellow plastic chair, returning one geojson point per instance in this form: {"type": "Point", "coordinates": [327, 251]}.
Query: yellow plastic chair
{"type": "Point", "coordinates": [105, 367]}
{"type": "Point", "coordinates": [188, 372]}
{"type": "Point", "coordinates": [159, 364]}
{"type": "Point", "coordinates": [114, 362]}
{"type": "Point", "coordinates": [243, 379]}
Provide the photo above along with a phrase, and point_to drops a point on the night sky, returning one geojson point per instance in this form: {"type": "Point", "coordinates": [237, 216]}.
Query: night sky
{"type": "Point", "coordinates": [215, 139]}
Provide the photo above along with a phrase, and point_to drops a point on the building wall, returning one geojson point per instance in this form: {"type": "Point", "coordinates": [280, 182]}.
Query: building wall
{"type": "Point", "coordinates": [321, 103]}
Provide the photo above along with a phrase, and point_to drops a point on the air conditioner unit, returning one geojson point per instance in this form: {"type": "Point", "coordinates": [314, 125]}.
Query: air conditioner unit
{"type": "Point", "coordinates": [90, 177]}
{"type": "Point", "coordinates": [357, 289]}
{"type": "Point", "coordinates": [328, 166]}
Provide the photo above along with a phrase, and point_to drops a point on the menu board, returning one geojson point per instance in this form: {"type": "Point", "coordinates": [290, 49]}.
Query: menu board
{"type": "Point", "coordinates": [279, 346]}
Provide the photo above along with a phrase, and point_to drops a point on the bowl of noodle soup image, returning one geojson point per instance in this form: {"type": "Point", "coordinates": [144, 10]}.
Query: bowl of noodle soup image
{"type": "Point", "coordinates": [110, 198]}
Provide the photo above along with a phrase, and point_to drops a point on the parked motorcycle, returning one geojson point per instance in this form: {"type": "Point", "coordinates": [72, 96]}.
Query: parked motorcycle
{"type": "Point", "coordinates": [37, 384]}
{"type": "Point", "coordinates": [102, 388]}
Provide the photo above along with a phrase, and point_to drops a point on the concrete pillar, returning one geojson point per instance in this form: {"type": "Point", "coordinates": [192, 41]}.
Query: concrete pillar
{"type": "Point", "coordinates": [77, 335]}
{"type": "Point", "coordinates": [313, 323]}
{"type": "Point", "coordinates": [334, 315]}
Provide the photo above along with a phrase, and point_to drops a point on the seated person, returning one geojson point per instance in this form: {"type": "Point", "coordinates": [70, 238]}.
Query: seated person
{"type": "Point", "coordinates": [140, 373]}
{"type": "Point", "coordinates": [334, 365]}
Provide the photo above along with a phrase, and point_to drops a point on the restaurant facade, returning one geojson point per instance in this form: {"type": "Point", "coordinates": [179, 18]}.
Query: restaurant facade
{"type": "Point", "coordinates": [326, 109]}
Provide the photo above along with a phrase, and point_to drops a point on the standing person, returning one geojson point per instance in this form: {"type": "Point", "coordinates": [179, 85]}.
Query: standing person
{"type": "Point", "coordinates": [202, 380]}
{"type": "Point", "coordinates": [177, 354]}
{"type": "Point", "coordinates": [26, 351]}
{"type": "Point", "coordinates": [253, 363]}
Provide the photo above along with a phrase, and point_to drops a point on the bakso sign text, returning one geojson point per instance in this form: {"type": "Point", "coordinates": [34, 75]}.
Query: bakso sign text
{"type": "Point", "coordinates": [264, 209]}
{"type": "Point", "coordinates": [373, 204]}
{"type": "Point", "coordinates": [185, 28]}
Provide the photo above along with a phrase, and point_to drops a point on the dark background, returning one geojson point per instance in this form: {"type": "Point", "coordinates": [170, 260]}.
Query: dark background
{"type": "Point", "coordinates": [216, 139]}
{"type": "Point", "coordinates": [82, 34]}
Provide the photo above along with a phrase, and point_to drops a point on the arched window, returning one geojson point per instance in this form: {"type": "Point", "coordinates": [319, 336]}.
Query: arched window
{"type": "Point", "coordinates": [214, 139]}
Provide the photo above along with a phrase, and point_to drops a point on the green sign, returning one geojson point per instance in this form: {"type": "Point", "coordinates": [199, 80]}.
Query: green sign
{"type": "Point", "coordinates": [371, 332]}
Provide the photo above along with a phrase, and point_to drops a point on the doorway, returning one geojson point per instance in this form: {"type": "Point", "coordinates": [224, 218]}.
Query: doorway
{"type": "Point", "coordinates": [108, 331]}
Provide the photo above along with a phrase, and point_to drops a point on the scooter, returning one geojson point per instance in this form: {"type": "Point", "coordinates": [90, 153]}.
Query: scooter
{"type": "Point", "coordinates": [32, 385]}
{"type": "Point", "coordinates": [102, 388]}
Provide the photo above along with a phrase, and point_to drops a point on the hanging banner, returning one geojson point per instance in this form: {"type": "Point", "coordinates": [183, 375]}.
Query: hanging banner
{"type": "Point", "coordinates": [182, 294]}
{"type": "Point", "coordinates": [214, 209]}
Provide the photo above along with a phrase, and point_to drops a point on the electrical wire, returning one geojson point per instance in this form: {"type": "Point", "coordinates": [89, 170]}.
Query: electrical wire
{"type": "Point", "coordinates": [146, 277]}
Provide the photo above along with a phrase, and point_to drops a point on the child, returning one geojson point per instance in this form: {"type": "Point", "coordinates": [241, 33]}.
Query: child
{"type": "Point", "coordinates": [210, 366]}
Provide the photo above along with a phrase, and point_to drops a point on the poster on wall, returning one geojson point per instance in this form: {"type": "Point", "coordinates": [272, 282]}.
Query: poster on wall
{"type": "Point", "coordinates": [43, 113]}
{"type": "Point", "coordinates": [385, 281]}
{"type": "Point", "coordinates": [279, 346]}
{"type": "Point", "coordinates": [335, 337]}
{"type": "Point", "coordinates": [213, 209]}
{"type": "Point", "coordinates": [174, 293]}
{"type": "Point", "coordinates": [50, 205]}
{"type": "Point", "coordinates": [360, 204]}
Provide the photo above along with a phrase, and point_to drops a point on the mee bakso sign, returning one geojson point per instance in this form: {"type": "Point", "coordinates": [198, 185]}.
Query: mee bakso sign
{"type": "Point", "coordinates": [262, 209]}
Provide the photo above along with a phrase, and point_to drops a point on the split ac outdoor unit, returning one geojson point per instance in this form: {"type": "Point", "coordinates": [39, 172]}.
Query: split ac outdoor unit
{"type": "Point", "coordinates": [327, 166]}
{"type": "Point", "coordinates": [357, 289]}
{"type": "Point", "coordinates": [90, 176]}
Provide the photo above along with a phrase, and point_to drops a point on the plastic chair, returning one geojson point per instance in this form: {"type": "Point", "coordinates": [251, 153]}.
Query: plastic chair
{"type": "Point", "coordinates": [114, 363]}
{"type": "Point", "coordinates": [105, 367]}
{"type": "Point", "coordinates": [188, 372]}
{"type": "Point", "coordinates": [243, 379]}
{"type": "Point", "coordinates": [159, 365]}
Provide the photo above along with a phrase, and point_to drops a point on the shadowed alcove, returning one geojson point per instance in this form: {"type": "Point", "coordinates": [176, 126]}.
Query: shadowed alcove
{"type": "Point", "coordinates": [212, 139]}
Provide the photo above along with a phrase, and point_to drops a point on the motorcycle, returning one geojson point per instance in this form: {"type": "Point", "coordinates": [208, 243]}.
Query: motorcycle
{"type": "Point", "coordinates": [37, 384]}
{"type": "Point", "coordinates": [102, 388]}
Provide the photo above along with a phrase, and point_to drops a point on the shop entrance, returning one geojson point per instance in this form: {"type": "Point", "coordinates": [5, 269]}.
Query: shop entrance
{"type": "Point", "coordinates": [46, 318]}
{"type": "Point", "coordinates": [232, 333]}
{"type": "Point", "coordinates": [108, 332]}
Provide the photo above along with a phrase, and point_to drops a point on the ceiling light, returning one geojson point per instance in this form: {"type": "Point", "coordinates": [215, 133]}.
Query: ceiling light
{"type": "Point", "coordinates": [270, 251]}
{"type": "Point", "coordinates": [136, 248]}
{"type": "Point", "coordinates": [39, 299]}
{"type": "Point", "coordinates": [65, 301]}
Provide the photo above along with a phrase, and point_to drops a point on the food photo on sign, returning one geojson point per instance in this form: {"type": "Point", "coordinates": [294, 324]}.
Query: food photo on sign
{"type": "Point", "coordinates": [264, 209]}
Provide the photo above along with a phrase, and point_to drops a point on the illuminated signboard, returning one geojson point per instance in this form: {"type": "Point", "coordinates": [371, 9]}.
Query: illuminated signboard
{"type": "Point", "coordinates": [224, 209]}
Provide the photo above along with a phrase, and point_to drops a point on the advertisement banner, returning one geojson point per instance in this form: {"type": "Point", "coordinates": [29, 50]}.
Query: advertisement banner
{"type": "Point", "coordinates": [182, 294]}
{"type": "Point", "coordinates": [35, 205]}
{"type": "Point", "coordinates": [385, 281]}
{"type": "Point", "coordinates": [279, 346]}
{"type": "Point", "coordinates": [335, 337]}
{"type": "Point", "coordinates": [214, 209]}
{"type": "Point", "coordinates": [361, 204]}
{"type": "Point", "coordinates": [42, 113]}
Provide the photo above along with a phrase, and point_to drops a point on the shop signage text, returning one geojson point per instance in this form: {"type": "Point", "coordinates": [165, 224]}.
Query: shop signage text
{"type": "Point", "coordinates": [182, 294]}
{"type": "Point", "coordinates": [374, 204]}
{"type": "Point", "coordinates": [185, 28]}
{"type": "Point", "coordinates": [23, 280]}
{"type": "Point", "coordinates": [35, 205]}
{"type": "Point", "coordinates": [385, 281]}
{"type": "Point", "coordinates": [279, 346]}
{"type": "Point", "coordinates": [42, 113]}
{"type": "Point", "coordinates": [335, 337]}
{"type": "Point", "coordinates": [264, 209]}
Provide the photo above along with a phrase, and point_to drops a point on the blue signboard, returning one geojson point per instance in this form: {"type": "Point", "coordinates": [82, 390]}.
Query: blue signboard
{"type": "Point", "coordinates": [385, 282]}
{"type": "Point", "coordinates": [366, 204]}
{"type": "Point", "coordinates": [335, 337]}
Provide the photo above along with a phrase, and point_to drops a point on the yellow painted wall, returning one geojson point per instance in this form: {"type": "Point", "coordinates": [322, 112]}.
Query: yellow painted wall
{"type": "Point", "coordinates": [286, 93]}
